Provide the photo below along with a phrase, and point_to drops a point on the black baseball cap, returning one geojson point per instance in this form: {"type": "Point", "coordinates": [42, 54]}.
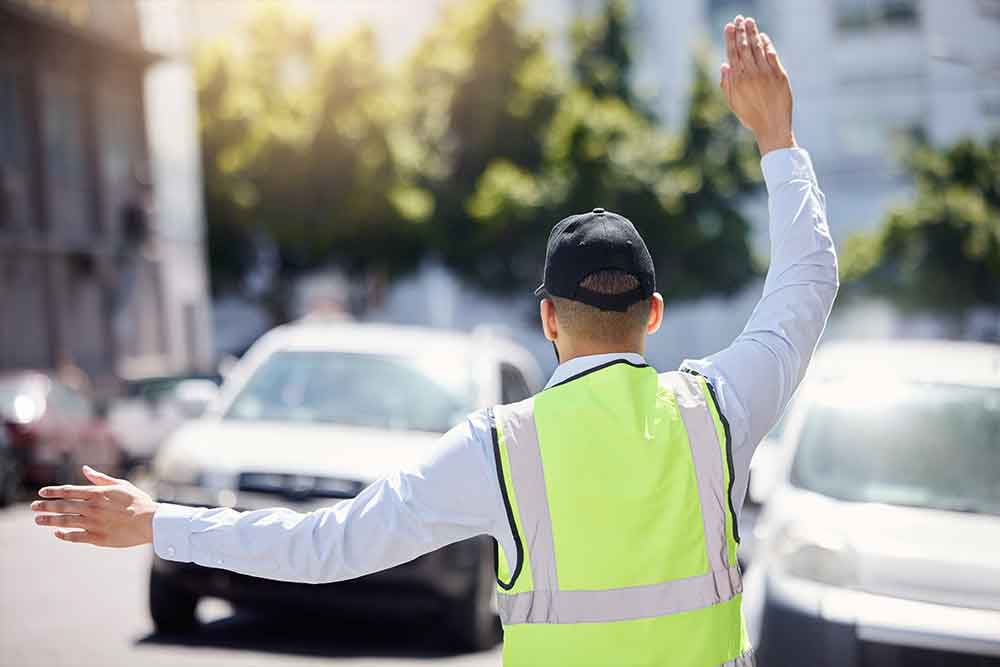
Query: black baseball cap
{"type": "Point", "coordinates": [590, 242]}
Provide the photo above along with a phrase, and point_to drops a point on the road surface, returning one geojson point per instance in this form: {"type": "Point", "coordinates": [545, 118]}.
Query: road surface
{"type": "Point", "coordinates": [68, 604]}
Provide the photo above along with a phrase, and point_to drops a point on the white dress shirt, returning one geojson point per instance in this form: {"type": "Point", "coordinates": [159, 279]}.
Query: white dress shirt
{"type": "Point", "coordinates": [454, 493]}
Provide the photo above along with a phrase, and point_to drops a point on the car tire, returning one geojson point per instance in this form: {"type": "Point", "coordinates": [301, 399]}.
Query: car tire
{"type": "Point", "coordinates": [472, 624]}
{"type": "Point", "coordinates": [172, 608]}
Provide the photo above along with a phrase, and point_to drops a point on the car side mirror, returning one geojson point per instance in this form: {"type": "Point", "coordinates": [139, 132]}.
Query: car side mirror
{"type": "Point", "coordinates": [192, 397]}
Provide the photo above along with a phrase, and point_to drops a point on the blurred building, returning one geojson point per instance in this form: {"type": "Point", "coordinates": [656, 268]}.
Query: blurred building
{"type": "Point", "coordinates": [866, 74]}
{"type": "Point", "coordinates": [101, 255]}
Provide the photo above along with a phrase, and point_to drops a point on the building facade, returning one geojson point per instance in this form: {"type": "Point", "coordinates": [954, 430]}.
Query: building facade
{"type": "Point", "coordinates": [87, 263]}
{"type": "Point", "coordinates": [867, 75]}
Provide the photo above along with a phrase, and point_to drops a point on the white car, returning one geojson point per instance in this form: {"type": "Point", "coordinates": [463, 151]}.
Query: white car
{"type": "Point", "coordinates": [314, 413]}
{"type": "Point", "coordinates": [880, 542]}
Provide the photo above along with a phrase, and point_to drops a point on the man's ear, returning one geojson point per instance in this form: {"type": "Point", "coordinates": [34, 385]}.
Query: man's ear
{"type": "Point", "coordinates": [547, 311]}
{"type": "Point", "coordinates": [656, 308]}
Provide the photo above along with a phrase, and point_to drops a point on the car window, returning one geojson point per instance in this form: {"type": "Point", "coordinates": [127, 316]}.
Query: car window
{"type": "Point", "coordinates": [380, 391]}
{"type": "Point", "coordinates": [513, 387]}
{"type": "Point", "coordinates": [926, 445]}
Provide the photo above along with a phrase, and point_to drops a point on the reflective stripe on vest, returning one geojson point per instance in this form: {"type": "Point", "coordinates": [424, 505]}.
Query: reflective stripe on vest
{"type": "Point", "coordinates": [530, 592]}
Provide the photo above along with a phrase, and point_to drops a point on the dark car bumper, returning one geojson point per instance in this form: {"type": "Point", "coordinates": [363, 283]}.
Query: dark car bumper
{"type": "Point", "coordinates": [428, 584]}
{"type": "Point", "coordinates": [810, 624]}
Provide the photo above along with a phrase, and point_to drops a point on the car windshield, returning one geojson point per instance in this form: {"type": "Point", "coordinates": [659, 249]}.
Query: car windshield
{"type": "Point", "coordinates": [395, 392]}
{"type": "Point", "coordinates": [923, 445]}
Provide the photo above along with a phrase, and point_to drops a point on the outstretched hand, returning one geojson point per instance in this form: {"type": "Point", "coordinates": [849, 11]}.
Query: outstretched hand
{"type": "Point", "coordinates": [756, 85]}
{"type": "Point", "coordinates": [111, 513]}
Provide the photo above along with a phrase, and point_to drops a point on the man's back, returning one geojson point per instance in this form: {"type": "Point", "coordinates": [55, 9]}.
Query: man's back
{"type": "Point", "coordinates": [612, 480]}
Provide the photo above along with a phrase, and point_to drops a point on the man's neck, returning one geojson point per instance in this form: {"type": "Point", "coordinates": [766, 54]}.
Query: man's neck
{"type": "Point", "coordinates": [576, 352]}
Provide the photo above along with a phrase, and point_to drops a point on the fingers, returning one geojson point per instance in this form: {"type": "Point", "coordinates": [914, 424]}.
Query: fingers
{"type": "Point", "coordinates": [754, 46]}
{"type": "Point", "coordinates": [72, 492]}
{"type": "Point", "coordinates": [730, 37]}
{"type": "Point", "coordinates": [726, 81]}
{"type": "Point", "coordinates": [81, 536]}
{"type": "Point", "coordinates": [744, 60]}
{"type": "Point", "coordinates": [66, 521]}
{"type": "Point", "coordinates": [771, 54]}
{"type": "Point", "coordinates": [99, 478]}
{"type": "Point", "coordinates": [66, 507]}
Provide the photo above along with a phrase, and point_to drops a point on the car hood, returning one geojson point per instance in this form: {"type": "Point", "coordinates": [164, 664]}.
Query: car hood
{"type": "Point", "coordinates": [913, 553]}
{"type": "Point", "coordinates": [223, 446]}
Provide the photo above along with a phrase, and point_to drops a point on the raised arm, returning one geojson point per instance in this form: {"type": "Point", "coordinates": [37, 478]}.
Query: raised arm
{"type": "Point", "coordinates": [452, 495]}
{"type": "Point", "coordinates": [757, 374]}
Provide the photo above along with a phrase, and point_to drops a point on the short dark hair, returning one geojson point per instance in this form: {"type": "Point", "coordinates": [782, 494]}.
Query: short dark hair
{"type": "Point", "coordinates": [604, 326]}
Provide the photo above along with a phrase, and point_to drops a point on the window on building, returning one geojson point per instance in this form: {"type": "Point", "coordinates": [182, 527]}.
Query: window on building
{"type": "Point", "coordinates": [119, 148]}
{"type": "Point", "coordinates": [875, 138]}
{"type": "Point", "coordinates": [858, 15]}
{"type": "Point", "coordinates": [14, 172]}
{"type": "Point", "coordinates": [65, 160]}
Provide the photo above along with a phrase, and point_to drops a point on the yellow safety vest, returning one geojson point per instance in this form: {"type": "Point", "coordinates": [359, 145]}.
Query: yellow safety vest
{"type": "Point", "coordinates": [617, 488]}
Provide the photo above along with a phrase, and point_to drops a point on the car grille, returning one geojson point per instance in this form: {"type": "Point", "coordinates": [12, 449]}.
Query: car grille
{"type": "Point", "coordinates": [299, 487]}
{"type": "Point", "coordinates": [886, 655]}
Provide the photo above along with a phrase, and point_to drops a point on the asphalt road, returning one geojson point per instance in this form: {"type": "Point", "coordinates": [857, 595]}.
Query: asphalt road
{"type": "Point", "coordinates": [67, 604]}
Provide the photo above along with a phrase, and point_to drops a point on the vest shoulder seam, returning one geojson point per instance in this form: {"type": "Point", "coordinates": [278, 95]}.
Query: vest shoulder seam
{"type": "Point", "coordinates": [599, 367]}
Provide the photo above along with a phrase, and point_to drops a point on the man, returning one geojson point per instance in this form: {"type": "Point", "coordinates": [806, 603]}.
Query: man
{"type": "Point", "coordinates": [614, 494]}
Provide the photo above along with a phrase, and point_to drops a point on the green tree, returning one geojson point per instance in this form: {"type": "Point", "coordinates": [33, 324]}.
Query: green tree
{"type": "Point", "coordinates": [941, 251]}
{"type": "Point", "coordinates": [299, 142]}
{"type": "Point", "coordinates": [602, 61]}
{"type": "Point", "coordinates": [469, 153]}
{"type": "Point", "coordinates": [482, 90]}
{"type": "Point", "coordinates": [599, 149]}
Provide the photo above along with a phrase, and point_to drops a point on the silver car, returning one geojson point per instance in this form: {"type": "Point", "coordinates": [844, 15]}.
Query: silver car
{"type": "Point", "coordinates": [880, 541]}
{"type": "Point", "coordinates": [313, 414]}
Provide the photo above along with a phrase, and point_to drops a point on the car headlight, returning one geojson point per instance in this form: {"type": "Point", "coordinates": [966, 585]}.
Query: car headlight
{"type": "Point", "coordinates": [193, 486]}
{"type": "Point", "coordinates": [815, 554]}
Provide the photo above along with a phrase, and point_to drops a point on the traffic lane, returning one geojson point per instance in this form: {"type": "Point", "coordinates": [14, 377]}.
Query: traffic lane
{"type": "Point", "coordinates": [68, 604]}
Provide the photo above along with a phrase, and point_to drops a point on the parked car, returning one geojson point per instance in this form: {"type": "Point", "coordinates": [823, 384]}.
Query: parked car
{"type": "Point", "coordinates": [54, 428]}
{"type": "Point", "coordinates": [10, 475]}
{"type": "Point", "coordinates": [149, 409]}
{"type": "Point", "coordinates": [310, 416]}
{"type": "Point", "coordinates": [879, 543]}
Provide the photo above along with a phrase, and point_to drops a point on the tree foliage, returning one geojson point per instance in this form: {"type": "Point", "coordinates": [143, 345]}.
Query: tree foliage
{"type": "Point", "coordinates": [469, 152]}
{"type": "Point", "coordinates": [940, 251]}
{"type": "Point", "coordinates": [599, 149]}
{"type": "Point", "coordinates": [298, 142]}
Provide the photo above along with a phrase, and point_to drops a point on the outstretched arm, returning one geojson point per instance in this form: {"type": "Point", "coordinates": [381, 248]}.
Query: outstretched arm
{"type": "Point", "coordinates": [757, 374]}
{"type": "Point", "coordinates": [452, 495]}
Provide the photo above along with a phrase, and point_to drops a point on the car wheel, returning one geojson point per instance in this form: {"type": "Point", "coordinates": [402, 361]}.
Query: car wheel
{"type": "Point", "coordinates": [172, 608]}
{"type": "Point", "coordinates": [472, 624]}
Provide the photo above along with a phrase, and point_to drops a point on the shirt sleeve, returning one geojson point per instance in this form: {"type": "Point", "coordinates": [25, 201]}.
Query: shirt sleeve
{"type": "Point", "coordinates": [453, 495]}
{"type": "Point", "coordinates": [757, 374]}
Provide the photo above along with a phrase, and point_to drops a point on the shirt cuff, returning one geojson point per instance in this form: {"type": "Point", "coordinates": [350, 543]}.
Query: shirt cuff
{"type": "Point", "coordinates": [172, 531]}
{"type": "Point", "coordinates": [786, 164]}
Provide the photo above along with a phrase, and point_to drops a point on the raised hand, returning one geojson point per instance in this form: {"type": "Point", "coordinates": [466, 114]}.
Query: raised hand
{"type": "Point", "coordinates": [111, 513]}
{"type": "Point", "coordinates": [756, 85]}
